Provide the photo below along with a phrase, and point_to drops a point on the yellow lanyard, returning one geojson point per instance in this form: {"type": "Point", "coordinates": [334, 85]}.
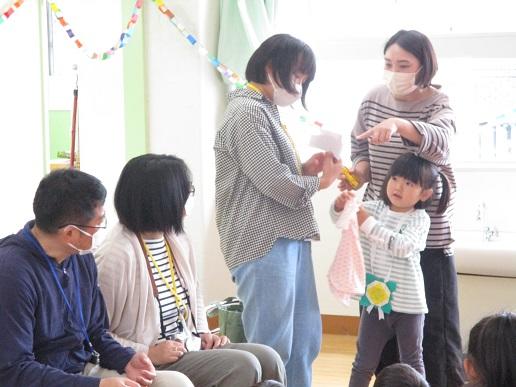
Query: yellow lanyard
{"type": "Point", "coordinates": [284, 127]}
{"type": "Point", "coordinates": [172, 288]}
{"type": "Point", "coordinates": [299, 164]}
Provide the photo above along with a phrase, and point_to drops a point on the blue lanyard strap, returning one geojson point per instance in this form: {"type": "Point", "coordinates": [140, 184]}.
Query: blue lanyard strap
{"type": "Point", "coordinates": [28, 235]}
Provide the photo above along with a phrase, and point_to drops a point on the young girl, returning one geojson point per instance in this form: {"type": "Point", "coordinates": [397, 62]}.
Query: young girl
{"type": "Point", "coordinates": [393, 231]}
{"type": "Point", "coordinates": [491, 359]}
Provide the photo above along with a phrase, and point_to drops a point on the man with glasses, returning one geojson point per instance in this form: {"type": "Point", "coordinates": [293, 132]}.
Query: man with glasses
{"type": "Point", "coordinates": [52, 315]}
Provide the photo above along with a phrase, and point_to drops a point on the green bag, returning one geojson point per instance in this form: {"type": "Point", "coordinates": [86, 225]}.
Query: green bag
{"type": "Point", "coordinates": [230, 318]}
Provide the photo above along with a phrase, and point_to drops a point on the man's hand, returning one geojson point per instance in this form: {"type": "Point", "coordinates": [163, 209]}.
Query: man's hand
{"type": "Point", "coordinates": [313, 166]}
{"type": "Point", "coordinates": [211, 341]}
{"type": "Point", "coordinates": [118, 382]}
{"type": "Point", "coordinates": [166, 352]}
{"type": "Point", "coordinates": [140, 369]}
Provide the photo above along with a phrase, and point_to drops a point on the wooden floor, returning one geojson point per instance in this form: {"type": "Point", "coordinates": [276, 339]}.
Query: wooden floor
{"type": "Point", "coordinates": [333, 365]}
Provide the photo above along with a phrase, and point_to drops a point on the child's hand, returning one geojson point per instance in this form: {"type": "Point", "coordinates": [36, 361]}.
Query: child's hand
{"type": "Point", "coordinates": [362, 215]}
{"type": "Point", "coordinates": [342, 199]}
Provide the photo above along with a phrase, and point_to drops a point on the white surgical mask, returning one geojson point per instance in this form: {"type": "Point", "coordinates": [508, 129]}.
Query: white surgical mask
{"type": "Point", "coordinates": [189, 205]}
{"type": "Point", "coordinates": [400, 84]}
{"type": "Point", "coordinates": [282, 97]}
{"type": "Point", "coordinates": [94, 243]}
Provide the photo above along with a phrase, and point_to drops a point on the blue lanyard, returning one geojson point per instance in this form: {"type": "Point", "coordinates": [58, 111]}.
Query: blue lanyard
{"type": "Point", "coordinates": [28, 235]}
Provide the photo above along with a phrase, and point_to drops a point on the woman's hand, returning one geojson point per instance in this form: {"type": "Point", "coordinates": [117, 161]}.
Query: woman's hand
{"type": "Point", "coordinates": [166, 352]}
{"type": "Point", "coordinates": [313, 166]}
{"type": "Point", "coordinates": [211, 341]}
{"type": "Point", "coordinates": [361, 172]}
{"type": "Point", "coordinates": [342, 199]}
{"type": "Point", "coordinates": [380, 133]}
{"type": "Point", "coordinates": [330, 171]}
{"type": "Point", "coordinates": [140, 369]}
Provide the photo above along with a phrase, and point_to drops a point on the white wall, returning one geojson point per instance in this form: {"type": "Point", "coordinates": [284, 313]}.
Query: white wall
{"type": "Point", "coordinates": [481, 296]}
{"type": "Point", "coordinates": [185, 101]}
{"type": "Point", "coordinates": [21, 116]}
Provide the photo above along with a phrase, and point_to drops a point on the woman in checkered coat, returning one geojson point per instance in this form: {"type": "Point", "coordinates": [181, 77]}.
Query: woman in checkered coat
{"type": "Point", "coordinates": [264, 212]}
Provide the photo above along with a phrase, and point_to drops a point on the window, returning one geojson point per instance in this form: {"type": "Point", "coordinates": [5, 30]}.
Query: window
{"type": "Point", "coordinates": [475, 44]}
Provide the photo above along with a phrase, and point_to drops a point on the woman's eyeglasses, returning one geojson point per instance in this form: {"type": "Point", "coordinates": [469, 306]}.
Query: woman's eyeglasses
{"type": "Point", "coordinates": [192, 190]}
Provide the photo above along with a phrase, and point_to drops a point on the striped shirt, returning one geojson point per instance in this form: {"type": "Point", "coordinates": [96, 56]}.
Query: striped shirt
{"type": "Point", "coordinates": [166, 301]}
{"type": "Point", "coordinates": [391, 242]}
{"type": "Point", "coordinates": [260, 194]}
{"type": "Point", "coordinates": [434, 120]}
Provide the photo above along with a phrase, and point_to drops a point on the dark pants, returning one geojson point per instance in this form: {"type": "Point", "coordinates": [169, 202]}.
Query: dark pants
{"type": "Point", "coordinates": [442, 349]}
{"type": "Point", "coordinates": [374, 333]}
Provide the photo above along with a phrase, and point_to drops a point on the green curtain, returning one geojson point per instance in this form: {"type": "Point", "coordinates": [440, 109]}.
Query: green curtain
{"type": "Point", "coordinates": [244, 24]}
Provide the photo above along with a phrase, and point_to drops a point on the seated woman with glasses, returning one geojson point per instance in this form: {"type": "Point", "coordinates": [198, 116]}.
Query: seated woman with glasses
{"type": "Point", "coordinates": [147, 274]}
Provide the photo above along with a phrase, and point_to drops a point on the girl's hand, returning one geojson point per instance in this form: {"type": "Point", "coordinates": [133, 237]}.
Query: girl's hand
{"type": "Point", "coordinates": [330, 171]}
{"type": "Point", "coordinates": [361, 172]}
{"type": "Point", "coordinates": [362, 215]}
{"type": "Point", "coordinates": [380, 133]}
{"type": "Point", "coordinates": [342, 199]}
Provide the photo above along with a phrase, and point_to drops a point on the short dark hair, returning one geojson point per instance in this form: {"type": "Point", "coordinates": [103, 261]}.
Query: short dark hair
{"type": "Point", "coordinates": [67, 196]}
{"type": "Point", "coordinates": [286, 55]}
{"type": "Point", "coordinates": [151, 193]}
{"type": "Point", "coordinates": [400, 375]}
{"type": "Point", "coordinates": [420, 46]}
{"type": "Point", "coordinates": [492, 349]}
{"type": "Point", "coordinates": [422, 172]}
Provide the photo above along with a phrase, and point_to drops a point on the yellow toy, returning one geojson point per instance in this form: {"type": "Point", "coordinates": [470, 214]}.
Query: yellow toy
{"type": "Point", "coordinates": [350, 178]}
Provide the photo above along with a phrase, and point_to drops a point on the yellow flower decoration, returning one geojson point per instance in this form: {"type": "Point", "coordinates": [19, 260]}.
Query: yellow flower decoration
{"type": "Point", "coordinates": [378, 293]}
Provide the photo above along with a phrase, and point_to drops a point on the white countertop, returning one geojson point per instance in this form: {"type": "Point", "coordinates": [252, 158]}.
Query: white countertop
{"type": "Point", "coordinates": [475, 255]}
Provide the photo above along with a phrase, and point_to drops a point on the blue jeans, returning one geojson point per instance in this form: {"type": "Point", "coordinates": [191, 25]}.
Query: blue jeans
{"type": "Point", "coordinates": [281, 308]}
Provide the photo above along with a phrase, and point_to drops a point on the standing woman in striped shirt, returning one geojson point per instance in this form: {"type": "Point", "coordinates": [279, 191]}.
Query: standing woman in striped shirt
{"type": "Point", "coordinates": [409, 113]}
{"type": "Point", "coordinates": [264, 211]}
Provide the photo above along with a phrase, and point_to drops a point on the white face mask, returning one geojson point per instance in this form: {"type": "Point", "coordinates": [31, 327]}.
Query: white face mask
{"type": "Point", "coordinates": [400, 84]}
{"type": "Point", "coordinates": [94, 242]}
{"type": "Point", "coordinates": [282, 97]}
{"type": "Point", "coordinates": [189, 205]}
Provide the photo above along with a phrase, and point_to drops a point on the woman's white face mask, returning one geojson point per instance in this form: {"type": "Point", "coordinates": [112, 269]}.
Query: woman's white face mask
{"type": "Point", "coordinates": [400, 84]}
{"type": "Point", "coordinates": [189, 205]}
{"type": "Point", "coordinates": [282, 97]}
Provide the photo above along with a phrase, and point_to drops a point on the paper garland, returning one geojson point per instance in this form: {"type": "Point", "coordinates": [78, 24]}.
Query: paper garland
{"type": "Point", "coordinates": [226, 72]}
{"type": "Point", "coordinates": [235, 79]}
{"type": "Point", "coordinates": [7, 11]}
{"type": "Point", "coordinates": [122, 41]}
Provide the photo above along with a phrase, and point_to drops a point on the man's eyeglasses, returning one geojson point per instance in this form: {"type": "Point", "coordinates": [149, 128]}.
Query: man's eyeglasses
{"type": "Point", "coordinates": [103, 224]}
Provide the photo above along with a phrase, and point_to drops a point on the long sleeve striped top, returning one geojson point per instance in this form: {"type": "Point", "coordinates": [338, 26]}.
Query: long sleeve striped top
{"type": "Point", "coordinates": [391, 244]}
{"type": "Point", "coordinates": [434, 120]}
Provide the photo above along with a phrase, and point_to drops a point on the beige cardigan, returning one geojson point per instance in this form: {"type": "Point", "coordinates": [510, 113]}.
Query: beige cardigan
{"type": "Point", "coordinates": [127, 289]}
